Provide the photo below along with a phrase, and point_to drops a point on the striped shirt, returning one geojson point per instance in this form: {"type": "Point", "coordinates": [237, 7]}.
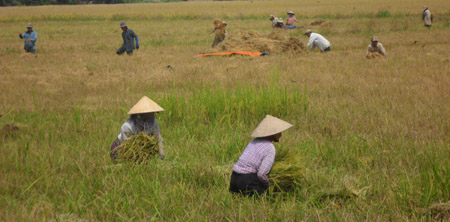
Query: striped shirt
{"type": "Point", "coordinates": [258, 157]}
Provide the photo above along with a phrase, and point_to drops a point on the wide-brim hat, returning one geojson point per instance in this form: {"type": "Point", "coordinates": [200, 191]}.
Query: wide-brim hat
{"type": "Point", "coordinates": [29, 25]}
{"type": "Point", "coordinates": [291, 13]}
{"type": "Point", "coordinates": [145, 105]}
{"type": "Point", "coordinates": [308, 31]}
{"type": "Point", "coordinates": [270, 126]}
{"type": "Point", "coordinates": [374, 39]}
{"type": "Point", "coordinates": [123, 24]}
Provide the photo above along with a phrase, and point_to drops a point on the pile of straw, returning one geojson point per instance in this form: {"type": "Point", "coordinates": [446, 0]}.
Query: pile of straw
{"type": "Point", "coordinates": [287, 170]}
{"type": "Point", "coordinates": [279, 41]}
{"type": "Point", "coordinates": [374, 55]}
{"type": "Point", "coordinates": [138, 148]}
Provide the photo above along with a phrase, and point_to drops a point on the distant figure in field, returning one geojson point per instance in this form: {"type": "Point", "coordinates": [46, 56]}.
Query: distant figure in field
{"type": "Point", "coordinates": [375, 49]}
{"type": "Point", "coordinates": [250, 173]}
{"type": "Point", "coordinates": [276, 22]}
{"type": "Point", "coordinates": [128, 37]}
{"type": "Point", "coordinates": [317, 40]}
{"type": "Point", "coordinates": [291, 20]}
{"type": "Point", "coordinates": [142, 119]}
{"type": "Point", "coordinates": [427, 17]}
{"type": "Point", "coordinates": [30, 37]}
{"type": "Point", "coordinates": [219, 31]}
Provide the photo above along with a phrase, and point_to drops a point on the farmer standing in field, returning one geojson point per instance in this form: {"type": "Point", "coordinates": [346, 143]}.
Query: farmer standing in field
{"type": "Point", "coordinates": [30, 37]}
{"type": "Point", "coordinates": [128, 37]}
{"type": "Point", "coordinates": [250, 173]}
{"type": "Point", "coordinates": [317, 40]}
{"type": "Point", "coordinates": [291, 20]}
{"type": "Point", "coordinates": [220, 32]}
{"type": "Point", "coordinates": [427, 17]}
{"type": "Point", "coordinates": [142, 119]}
{"type": "Point", "coordinates": [375, 47]}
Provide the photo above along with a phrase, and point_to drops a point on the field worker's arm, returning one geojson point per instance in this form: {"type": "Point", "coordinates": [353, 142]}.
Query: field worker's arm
{"type": "Point", "coordinates": [266, 166]}
{"type": "Point", "coordinates": [367, 50]}
{"type": "Point", "coordinates": [311, 45]}
{"type": "Point", "coordinates": [20, 35]}
{"type": "Point", "coordinates": [137, 42]}
{"type": "Point", "coordinates": [125, 131]}
{"type": "Point", "coordinates": [157, 133]}
{"type": "Point", "coordinates": [383, 51]}
{"type": "Point", "coordinates": [33, 36]}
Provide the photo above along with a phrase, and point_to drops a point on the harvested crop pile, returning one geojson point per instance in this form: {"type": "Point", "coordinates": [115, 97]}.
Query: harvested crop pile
{"type": "Point", "coordinates": [278, 41]}
{"type": "Point", "coordinates": [320, 22]}
{"type": "Point", "coordinates": [287, 170]}
{"type": "Point", "coordinates": [138, 148]}
{"type": "Point", "coordinates": [374, 55]}
{"type": "Point", "coordinates": [8, 130]}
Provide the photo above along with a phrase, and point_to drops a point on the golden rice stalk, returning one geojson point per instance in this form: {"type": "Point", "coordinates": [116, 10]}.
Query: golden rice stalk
{"type": "Point", "coordinates": [287, 169]}
{"type": "Point", "coordinates": [138, 148]}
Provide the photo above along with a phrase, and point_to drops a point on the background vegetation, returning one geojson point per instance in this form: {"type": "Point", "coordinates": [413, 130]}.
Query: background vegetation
{"type": "Point", "coordinates": [373, 135]}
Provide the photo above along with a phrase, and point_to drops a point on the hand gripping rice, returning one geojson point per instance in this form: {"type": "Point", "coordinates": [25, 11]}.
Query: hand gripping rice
{"type": "Point", "coordinates": [138, 148]}
{"type": "Point", "coordinates": [287, 170]}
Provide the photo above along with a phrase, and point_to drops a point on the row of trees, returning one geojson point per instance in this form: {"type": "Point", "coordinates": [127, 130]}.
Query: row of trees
{"type": "Point", "coordinates": [72, 2]}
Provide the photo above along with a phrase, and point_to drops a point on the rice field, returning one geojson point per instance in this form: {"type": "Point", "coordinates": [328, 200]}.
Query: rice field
{"type": "Point", "coordinates": [372, 135]}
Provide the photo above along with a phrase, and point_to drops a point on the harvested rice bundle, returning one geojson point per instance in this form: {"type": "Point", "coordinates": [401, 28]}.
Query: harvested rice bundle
{"type": "Point", "coordinates": [138, 148]}
{"type": "Point", "coordinates": [374, 55]}
{"type": "Point", "coordinates": [287, 169]}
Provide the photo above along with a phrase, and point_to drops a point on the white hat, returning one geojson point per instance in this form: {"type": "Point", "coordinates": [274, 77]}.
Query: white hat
{"type": "Point", "coordinates": [374, 39]}
{"type": "Point", "coordinates": [290, 12]}
{"type": "Point", "coordinates": [270, 126]}
{"type": "Point", "coordinates": [145, 105]}
{"type": "Point", "coordinates": [29, 25]}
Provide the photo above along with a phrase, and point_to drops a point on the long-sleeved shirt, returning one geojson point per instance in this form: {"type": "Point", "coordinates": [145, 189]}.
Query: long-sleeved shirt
{"type": "Point", "coordinates": [379, 48]}
{"type": "Point", "coordinates": [426, 17]}
{"type": "Point", "coordinates": [317, 40]}
{"type": "Point", "coordinates": [128, 37]}
{"type": "Point", "coordinates": [29, 45]}
{"type": "Point", "coordinates": [258, 157]}
{"type": "Point", "coordinates": [133, 127]}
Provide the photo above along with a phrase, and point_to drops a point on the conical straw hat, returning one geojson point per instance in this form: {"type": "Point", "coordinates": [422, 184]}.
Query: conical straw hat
{"type": "Point", "coordinates": [270, 126]}
{"type": "Point", "coordinates": [145, 105]}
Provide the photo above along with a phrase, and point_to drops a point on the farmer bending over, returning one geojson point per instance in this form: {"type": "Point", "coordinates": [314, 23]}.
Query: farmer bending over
{"type": "Point", "coordinates": [291, 20]}
{"type": "Point", "coordinates": [30, 37]}
{"type": "Point", "coordinates": [250, 173]}
{"type": "Point", "coordinates": [375, 47]}
{"type": "Point", "coordinates": [128, 37]}
{"type": "Point", "coordinates": [317, 40]}
{"type": "Point", "coordinates": [142, 119]}
{"type": "Point", "coordinates": [276, 22]}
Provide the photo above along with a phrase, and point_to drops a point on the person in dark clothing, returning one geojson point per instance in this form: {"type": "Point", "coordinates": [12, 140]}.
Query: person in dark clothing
{"type": "Point", "coordinates": [128, 40]}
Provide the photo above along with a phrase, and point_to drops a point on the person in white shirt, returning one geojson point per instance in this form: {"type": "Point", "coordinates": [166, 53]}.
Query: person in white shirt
{"type": "Point", "coordinates": [317, 40]}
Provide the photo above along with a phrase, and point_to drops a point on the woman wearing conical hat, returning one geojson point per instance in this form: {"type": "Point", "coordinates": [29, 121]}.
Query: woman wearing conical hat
{"type": "Point", "coordinates": [250, 173]}
{"type": "Point", "coordinates": [142, 119]}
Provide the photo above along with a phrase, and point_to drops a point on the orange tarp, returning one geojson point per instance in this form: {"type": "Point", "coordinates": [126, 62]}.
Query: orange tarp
{"type": "Point", "coordinates": [247, 53]}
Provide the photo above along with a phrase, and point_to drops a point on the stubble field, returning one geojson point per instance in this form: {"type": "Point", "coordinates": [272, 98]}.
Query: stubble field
{"type": "Point", "coordinates": [373, 134]}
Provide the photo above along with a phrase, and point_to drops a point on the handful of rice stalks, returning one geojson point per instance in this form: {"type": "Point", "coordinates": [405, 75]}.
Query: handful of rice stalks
{"type": "Point", "coordinates": [287, 170]}
{"type": "Point", "coordinates": [138, 148]}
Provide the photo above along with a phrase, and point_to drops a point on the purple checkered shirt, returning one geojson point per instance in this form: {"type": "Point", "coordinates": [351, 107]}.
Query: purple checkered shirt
{"type": "Point", "coordinates": [258, 157]}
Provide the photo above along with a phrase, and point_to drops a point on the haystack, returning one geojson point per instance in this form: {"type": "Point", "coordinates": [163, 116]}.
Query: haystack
{"type": "Point", "coordinates": [278, 41]}
{"type": "Point", "coordinates": [287, 170]}
{"type": "Point", "coordinates": [374, 55]}
{"type": "Point", "coordinates": [138, 148]}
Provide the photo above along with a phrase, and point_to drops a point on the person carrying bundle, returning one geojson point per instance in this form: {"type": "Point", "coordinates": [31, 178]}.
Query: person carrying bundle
{"type": "Point", "coordinates": [375, 48]}
{"type": "Point", "coordinates": [276, 22]}
{"type": "Point", "coordinates": [142, 119]}
{"type": "Point", "coordinates": [250, 173]}
{"type": "Point", "coordinates": [30, 37]}
{"type": "Point", "coordinates": [219, 30]}
{"type": "Point", "coordinates": [128, 37]}
{"type": "Point", "coordinates": [427, 17]}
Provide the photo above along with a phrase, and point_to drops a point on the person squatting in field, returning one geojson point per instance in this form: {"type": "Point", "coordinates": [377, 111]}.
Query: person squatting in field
{"type": "Point", "coordinates": [30, 37]}
{"type": "Point", "coordinates": [220, 32]}
{"type": "Point", "coordinates": [276, 22]}
{"type": "Point", "coordinates": [317, 40]}
{"type": "Point", "coordinates": [375, 46]}
{"type": "Point", "coordinates": [128, 37]}
{"type": "Point", "coordinates": [291, 19]}
{"type": "Point", "coordinates": [250, 173]}
{"type": "Point", "coordinates": [427, 17]}
{"type": "Point", "coordinates": [142, 119]}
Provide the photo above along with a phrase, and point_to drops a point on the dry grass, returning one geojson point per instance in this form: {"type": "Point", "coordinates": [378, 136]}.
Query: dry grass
{"type": "Point", "coordinates": [383, 122]}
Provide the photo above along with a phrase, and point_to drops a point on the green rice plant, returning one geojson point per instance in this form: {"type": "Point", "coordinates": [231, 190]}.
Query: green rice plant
{"type": "Point", "coordinates": [287, 170]}
{"type": "Point", "coordinates": [383, 14]}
